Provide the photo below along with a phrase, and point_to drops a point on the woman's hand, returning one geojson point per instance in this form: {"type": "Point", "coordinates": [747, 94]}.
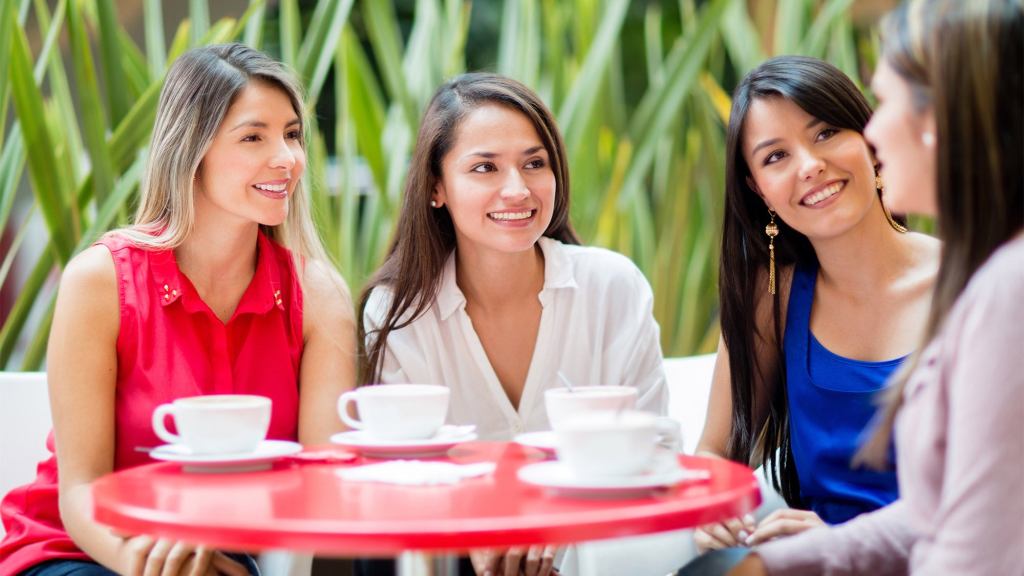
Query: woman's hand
{"type": "Point", "coordinates": [144, 556]}
{"type": "Point", "coordinates": [533, 561]}
{"type": "Point", "coordinates": [726, 534]}
{"type": "Point", "coordinates": [785, 522]}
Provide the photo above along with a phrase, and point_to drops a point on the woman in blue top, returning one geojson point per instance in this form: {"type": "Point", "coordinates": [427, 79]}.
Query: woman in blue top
{"type": "Point", "coordinates": [823, 295]}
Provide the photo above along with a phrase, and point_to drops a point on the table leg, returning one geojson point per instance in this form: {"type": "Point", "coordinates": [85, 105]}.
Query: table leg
{"type": "Point", "coordinates": [422, 564]}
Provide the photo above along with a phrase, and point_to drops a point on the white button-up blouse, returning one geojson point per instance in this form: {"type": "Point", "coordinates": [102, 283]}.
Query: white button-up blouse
{"type": "Point", "coordinates": [596, 327]}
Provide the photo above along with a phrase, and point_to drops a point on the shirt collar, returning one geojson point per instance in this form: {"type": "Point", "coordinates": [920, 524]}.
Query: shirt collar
{"type": "Point", "coordinates": [558, 273]}
{"type": "Point", "coordinates": [263, 293]}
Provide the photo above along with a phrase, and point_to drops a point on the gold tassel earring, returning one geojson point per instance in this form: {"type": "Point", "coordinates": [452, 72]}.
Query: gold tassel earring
{"type": "Point", "coordinates": [771, 230]}
{"type": "Point", "coordinates": [880, 186]}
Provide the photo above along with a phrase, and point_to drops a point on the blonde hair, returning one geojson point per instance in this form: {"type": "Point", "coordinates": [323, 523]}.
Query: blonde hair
{"type": "Point", "coordinates": [200, 88]}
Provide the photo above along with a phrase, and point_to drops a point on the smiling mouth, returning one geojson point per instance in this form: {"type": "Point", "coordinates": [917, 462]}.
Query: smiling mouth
{"type": "Point", "coordinates": [511, 216]}
{"type": "Point", "coordinates": [823, 194]}
{"type": "Point", "coordinates": [274, 191]}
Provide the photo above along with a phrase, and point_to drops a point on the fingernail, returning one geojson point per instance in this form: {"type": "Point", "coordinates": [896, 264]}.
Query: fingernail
{"type": "Point", "coordinates": [749, 540]}
{"type": "Point", "coordinates": [748, 519]}
{"type": "Point", "coordinates": [744, 536]}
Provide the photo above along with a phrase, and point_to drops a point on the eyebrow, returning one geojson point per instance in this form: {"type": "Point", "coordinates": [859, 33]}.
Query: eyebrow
{"type": "Point", "coordinates": [771, 142]}
{"type": "Point", "coordinates": [261, 124]}
{"type": "Point", "coordinates": [489, 155]}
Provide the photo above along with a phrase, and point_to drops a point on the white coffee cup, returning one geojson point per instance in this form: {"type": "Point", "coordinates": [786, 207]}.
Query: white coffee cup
{"type": "Point", "coordinates": [397, 411]}
{"type": "Point", "coordinates": [608, 444]}
{"type": "Point", "coordinates": [564, 404]}
{"type": "Point", "coordinates": [215, 424]}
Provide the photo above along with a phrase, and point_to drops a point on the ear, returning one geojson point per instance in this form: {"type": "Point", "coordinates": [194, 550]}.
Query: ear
{"type": "Point", "coordinates": [440, 195]}
{"type": "Point", "coordinates": [753, 186]}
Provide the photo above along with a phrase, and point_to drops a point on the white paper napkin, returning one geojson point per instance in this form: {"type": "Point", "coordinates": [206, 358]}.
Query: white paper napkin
{"type": "Point", "coordinates": [416, 472]}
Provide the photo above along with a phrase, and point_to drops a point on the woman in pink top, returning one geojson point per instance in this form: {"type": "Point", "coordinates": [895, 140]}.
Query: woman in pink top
{"type": "Point", "coordinates": [220, 286]}
{"type": "Point", "coordinates": [949, 132]}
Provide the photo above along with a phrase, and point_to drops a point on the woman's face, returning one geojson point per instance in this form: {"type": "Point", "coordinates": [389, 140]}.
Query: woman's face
{"type": "Point", "coordinates": [818, 178]}
{"type": "Point", "coordinates": [255, 160]}
{"type": "Point", "coordinates": [497, 182]}
{"type": "Point", "coordinates": [904, 141]}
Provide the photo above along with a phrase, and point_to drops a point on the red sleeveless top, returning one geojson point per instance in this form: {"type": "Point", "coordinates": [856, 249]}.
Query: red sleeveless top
{"type": "Point", "coordinates": [171, 345]}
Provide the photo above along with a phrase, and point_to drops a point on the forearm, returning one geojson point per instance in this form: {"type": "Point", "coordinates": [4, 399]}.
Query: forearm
{"type": "Point", "coordinates": [96, 540]}
{"type": "Point", "coordinates": [877, 543]}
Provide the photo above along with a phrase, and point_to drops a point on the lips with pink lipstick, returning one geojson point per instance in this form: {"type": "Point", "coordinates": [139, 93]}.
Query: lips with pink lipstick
{"type": "Point", "coordinates": [820, 195]}
{"type": "Point", "coordinates": [275, 189]}
{"type": "Point", "coordinates": [513, 217]}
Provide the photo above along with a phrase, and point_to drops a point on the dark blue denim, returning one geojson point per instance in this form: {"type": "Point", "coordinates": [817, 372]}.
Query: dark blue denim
{"type": "Point", "coordinates": [87, 568]}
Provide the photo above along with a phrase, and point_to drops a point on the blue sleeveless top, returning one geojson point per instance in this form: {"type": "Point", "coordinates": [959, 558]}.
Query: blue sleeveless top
{"type": "Point", "coordinates": [831, 402]}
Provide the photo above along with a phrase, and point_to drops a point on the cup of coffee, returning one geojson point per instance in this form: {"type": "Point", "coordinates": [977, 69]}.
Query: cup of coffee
{"type": "Point", "coordinates": [397, 411]}
{"type": "Point", "coordinates": [215, 424]}
{"type": "Point", "coordinates": [608, 444]}
{"type": "Point", "coordinates": [564, 403]}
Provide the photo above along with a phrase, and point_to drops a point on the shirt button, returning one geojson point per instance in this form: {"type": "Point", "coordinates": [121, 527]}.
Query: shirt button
{"type": "Point", "coordinates": [517, 427]}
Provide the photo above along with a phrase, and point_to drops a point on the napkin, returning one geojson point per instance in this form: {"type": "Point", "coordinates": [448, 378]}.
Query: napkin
{"type": "Point", "coordinates": [416, 472]}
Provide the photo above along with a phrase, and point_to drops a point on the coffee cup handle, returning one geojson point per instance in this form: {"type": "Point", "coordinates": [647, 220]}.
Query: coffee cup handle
{"type": "Point", "coordinates": [670, 433]}
{"type": "Point", "coordinates": [343, 403]}
{"type": "Point", "coordinates": [159, 416]}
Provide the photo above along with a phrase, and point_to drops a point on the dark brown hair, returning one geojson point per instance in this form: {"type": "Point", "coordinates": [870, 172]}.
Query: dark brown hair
{"type": "Point", "coordinates": [964, 60]}
{"type": "Point", "coordinates": [425, 236]}
{"type": "Point", "coordinates": [823, 91]}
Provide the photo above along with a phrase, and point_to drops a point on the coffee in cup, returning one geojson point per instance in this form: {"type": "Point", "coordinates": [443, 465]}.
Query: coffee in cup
{"type": "Point", "coordinates": [215, 424]}
{"type": "Point", "coordinates": [564, 404]}
{"type": "Point", "coordinates": [397, 411]}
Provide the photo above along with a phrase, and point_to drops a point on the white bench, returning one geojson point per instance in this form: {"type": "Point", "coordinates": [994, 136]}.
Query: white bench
{"type": "Point", "coordinates": [25, 422]}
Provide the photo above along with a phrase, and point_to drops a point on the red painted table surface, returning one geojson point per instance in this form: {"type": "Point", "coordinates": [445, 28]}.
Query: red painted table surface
{"type": "Point", "coordinates": [307, 506]}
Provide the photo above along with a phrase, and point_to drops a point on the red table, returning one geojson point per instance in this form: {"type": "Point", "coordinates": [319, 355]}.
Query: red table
{"type": "Point", "coordinates": [308, 507]}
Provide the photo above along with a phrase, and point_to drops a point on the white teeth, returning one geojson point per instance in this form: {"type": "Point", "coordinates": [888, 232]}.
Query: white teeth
{"type": "Point", "coordinates": [272, 187]}
{"type": "Point", "coordinates": [824, 194]}
{"type": "Point", "coordinates": [511, 215]}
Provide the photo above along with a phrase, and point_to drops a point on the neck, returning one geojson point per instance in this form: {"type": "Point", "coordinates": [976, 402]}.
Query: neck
{"type": "Point", "coordinates": [212, 256]}
{"type": "Point", "coordinates": [496, 280]}
{"type": "Point", "coordinates": [867, 258]}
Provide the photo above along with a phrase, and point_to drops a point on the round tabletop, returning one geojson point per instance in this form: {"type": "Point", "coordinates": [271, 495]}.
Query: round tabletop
{"type": "Point", "coordinates": [309, 507]}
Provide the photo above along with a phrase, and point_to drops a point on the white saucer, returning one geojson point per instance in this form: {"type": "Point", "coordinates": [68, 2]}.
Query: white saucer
{"type": "Point", "coordinates": [446, 437]}
{"type": "Point", "coordinates": [258, 459]}
{"type": "Point", "coordinates": [545, 441]}
{"type": "Point", "coordinates": [557, 476]}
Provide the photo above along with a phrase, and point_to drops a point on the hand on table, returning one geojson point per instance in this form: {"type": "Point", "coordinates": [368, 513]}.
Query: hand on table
{"type": "Point", "coordinates": [145, 556]}
{"type": "Point", "coordinates": [725, 534]}
{"type": "Point", "coordinates": [744, 532]}
{"type": "Point", "coordinates": [532, 561]}
{"type": "Point", "coordinates": [784, 522]}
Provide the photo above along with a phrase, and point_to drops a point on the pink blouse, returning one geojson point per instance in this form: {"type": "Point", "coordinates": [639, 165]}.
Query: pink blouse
{"type": "Point", "coordinates": [960, 449]}
{"type": "Point", "coordinates": [171, 345]}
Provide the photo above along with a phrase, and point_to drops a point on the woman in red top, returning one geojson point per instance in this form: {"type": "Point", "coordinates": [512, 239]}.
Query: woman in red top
{"type": "Point", "coordinates": [220, 286]}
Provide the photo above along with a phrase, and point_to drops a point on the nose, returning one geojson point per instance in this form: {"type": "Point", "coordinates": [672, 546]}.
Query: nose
{"type": "Point", "coordinates": [514, 187]}
{"type": "Point", "coordinates": [284, 156]}
{"type": "Point", "coordinates": [811, 165]}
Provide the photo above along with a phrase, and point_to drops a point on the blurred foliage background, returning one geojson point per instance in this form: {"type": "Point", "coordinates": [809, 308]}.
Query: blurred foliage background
{"type": "Point", "coordinates": [640, 90]}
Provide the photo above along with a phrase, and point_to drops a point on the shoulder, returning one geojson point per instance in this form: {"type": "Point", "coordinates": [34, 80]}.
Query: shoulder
{"type": "Point", "coordinates": [1000, 280]}
{"type": "Point", "coordinates": [594, 267]}
{"type": "Point", "coordinates": [92, 269]}
{"type": "Point", "coordinates": [88, 289]}
{"type": "Point", "coordinates": [324, 292]}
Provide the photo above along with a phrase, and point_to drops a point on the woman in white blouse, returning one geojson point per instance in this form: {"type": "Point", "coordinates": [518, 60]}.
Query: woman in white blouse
{"type": "Point", "coordinates": [485, 288]}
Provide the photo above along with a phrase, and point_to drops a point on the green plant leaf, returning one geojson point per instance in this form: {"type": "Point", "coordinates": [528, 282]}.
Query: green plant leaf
{"type": "Point", "coordinates": [28, 105]}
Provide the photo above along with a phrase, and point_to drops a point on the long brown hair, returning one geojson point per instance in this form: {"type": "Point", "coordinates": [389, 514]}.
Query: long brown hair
{"type": "Point", "coordinates": [425, 236]}
{"type": "Point", "coordinates": [823, 91]}
{"type": "Point", "coordinates": [964, 60]}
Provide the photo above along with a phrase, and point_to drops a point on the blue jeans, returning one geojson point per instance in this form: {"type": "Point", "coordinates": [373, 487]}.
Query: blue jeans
{"type": "Point", "coordinates": [87, 568]}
